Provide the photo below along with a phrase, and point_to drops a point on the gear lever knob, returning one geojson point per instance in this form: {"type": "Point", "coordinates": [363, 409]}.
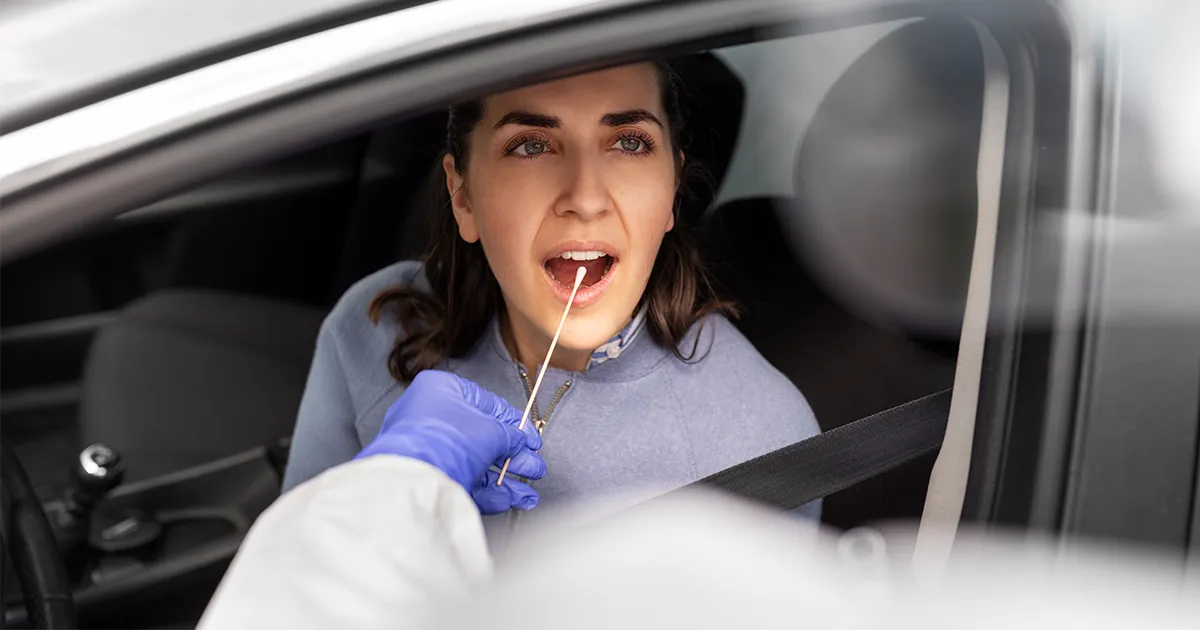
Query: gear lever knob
{"type": "Point", "coordinates": [98, 471]}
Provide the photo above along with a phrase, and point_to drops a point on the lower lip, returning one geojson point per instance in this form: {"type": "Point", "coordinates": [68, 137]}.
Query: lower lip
{"type": "Point", "coordinates": [586, 295]}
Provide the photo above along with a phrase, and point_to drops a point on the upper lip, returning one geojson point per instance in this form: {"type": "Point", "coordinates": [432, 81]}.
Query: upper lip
{"type": "Point", "coordinates": [580, 246]}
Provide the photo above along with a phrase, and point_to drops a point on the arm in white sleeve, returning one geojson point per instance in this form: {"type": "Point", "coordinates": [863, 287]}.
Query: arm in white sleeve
{"type": "Point", "coordinates": [376, 542]}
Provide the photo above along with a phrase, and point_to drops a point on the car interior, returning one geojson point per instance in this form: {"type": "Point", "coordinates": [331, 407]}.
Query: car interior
{"type": "Point", "coordinates": [179, 334]}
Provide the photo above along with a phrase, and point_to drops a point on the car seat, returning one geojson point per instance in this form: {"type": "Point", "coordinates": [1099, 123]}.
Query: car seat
{"type": "Point", "coordinates": [854, 288]}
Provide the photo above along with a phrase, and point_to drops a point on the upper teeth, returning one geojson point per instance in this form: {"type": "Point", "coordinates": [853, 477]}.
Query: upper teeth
{"type": "Point", "coordinates": [582, 255]}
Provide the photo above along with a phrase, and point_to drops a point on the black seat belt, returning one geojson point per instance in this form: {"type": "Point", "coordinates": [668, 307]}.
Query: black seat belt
{"type": "Point", "coordinates": [824, 464]}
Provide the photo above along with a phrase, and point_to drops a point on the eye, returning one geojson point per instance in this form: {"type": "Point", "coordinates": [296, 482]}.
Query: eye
{"type": "Point", "coordinates": [633, 144]}
{"type": "Point", "coordinates": [529, 145]}
{"type": "Point", "coordinates": [532, 147]}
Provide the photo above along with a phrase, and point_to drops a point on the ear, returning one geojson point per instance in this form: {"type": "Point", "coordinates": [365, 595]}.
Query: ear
{"type": "Point", "coordinates": [459, 201]}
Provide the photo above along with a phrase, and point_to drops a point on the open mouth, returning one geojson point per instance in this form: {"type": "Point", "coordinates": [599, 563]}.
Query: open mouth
{"type": "Point", "coordinates": [562, 268]}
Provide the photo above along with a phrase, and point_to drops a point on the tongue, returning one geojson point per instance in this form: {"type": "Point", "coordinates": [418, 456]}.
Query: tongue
{"type": "Point", "coordinates": [564, 270]}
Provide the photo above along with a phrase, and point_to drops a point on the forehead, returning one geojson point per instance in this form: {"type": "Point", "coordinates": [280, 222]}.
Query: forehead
{"type": "Point", "coordinates": [635, 86]}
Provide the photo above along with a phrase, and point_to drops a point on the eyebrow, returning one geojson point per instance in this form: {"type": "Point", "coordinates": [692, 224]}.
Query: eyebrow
{"type": "Point", "coordinates": [629, 117]}
{"type": "Point", "coordinates": [614, 119]}
{"type": "Point", "coordinates": [529, 119]}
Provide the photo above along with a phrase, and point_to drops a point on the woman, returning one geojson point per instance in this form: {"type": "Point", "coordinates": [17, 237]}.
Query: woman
{"type": "Point", "coordinates": [650, 386]}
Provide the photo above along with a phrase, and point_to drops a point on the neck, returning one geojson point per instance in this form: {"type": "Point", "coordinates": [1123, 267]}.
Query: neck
{"type": "Point", "coordinates": [528, 345]}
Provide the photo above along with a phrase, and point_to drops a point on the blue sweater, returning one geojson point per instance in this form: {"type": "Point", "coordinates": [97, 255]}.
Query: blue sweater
{"type": "Point", "coordinates": [642, 423]}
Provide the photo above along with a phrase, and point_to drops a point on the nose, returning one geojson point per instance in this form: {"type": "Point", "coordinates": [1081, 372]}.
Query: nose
{"type": "Point", "coordinates": [585, 192]}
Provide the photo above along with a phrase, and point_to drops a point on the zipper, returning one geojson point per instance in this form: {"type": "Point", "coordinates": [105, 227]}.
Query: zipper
{"type": "Point", "coordinates": [539, 421]}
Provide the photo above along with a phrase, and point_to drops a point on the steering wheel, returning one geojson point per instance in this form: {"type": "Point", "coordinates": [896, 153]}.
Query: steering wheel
{"type": "Point", "coordinates": [30, 541]}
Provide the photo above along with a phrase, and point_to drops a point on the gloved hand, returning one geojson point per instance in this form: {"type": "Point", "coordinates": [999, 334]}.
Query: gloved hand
{"type": "Point", "coordinates": [462, 429]}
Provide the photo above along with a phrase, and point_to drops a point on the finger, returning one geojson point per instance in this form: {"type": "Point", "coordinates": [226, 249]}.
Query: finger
{"type": "Point", "coordinates": [513, 494]}
{"type": "Point", "coordinates": [521, 495]}
{"type": "Point", "coordinates": [435, 381]}
{"type": "Point", "coordinates": [533, 437]}
{"type": "Point", "coordinates": [492, 500]}
{"type": "Point", "coordinates": [528, 464]}
{"type": "Point", "coordinates": [521, 438]}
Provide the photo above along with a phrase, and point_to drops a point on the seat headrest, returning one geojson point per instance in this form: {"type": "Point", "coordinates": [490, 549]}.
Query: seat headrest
{"type": "Point", "coordinates": [886, 179]}
{"type": "Point", "coordinates": [713, 99]}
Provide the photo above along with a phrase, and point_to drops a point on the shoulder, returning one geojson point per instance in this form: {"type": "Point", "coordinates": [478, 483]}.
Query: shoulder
{"type": "Point", "coordinates": [362, 345]}
{"type": "Point", "coordinates": [357, 299]}
{"type": "Point", "coordinates": [719, 347]}
{"type": "Point", "coordinates": [349, 316]}
{"type": "Point", "coordinates": [743, 383]}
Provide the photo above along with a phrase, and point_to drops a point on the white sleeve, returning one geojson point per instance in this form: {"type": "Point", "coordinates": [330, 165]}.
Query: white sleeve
{"type": "Point", "coordinates": [376, 542]}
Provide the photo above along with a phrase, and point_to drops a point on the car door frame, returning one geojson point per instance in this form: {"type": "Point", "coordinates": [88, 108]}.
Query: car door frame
{"type": "Point", "coordinates": [1088, 425]}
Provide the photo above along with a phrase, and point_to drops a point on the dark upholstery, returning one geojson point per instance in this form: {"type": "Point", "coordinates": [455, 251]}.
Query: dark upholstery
{"type": "Point", "coordinates": [388, 221]}
{"type": "Point", "coordinates": [186, 377]}
{"type": "Point", "coordinates": [713, 100]}
{"type": "Point", "coordinates": [847, 368]}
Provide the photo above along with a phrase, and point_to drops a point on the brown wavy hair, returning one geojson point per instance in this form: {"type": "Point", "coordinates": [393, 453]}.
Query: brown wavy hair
{"type": "Point", "coordinates": [448, 321]}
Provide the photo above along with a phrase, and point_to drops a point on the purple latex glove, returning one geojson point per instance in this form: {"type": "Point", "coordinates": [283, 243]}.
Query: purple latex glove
{"type": "Point", "coordinates": [462, 429]}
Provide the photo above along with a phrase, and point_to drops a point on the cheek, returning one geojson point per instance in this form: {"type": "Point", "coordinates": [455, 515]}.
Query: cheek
{"type": "Point", "coordinates": [508, 216]}
{"type": "Point", "coordinates": [647, 201]}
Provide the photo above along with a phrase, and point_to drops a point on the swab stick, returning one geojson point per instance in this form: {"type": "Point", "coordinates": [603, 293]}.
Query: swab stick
{"type": "Point", "coordinates": [545, 364]}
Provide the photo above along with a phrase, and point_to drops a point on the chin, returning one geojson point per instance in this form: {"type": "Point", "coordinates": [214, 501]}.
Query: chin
{"type": "Point", "coordinates": [589, 332]}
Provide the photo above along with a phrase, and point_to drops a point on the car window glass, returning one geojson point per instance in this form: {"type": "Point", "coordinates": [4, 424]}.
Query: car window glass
{"type": "Point", "coordinates": [785, 81]}
{"type": "Point", "coordinates": [243, 270]}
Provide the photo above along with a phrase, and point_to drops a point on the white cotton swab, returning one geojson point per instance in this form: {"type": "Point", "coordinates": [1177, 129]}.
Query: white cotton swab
{"type": "Point", "coordinates": [545, 364]}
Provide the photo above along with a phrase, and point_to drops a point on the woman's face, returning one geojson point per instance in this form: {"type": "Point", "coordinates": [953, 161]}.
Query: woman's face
{"type": "Point", "coordinates": [574, 172]}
